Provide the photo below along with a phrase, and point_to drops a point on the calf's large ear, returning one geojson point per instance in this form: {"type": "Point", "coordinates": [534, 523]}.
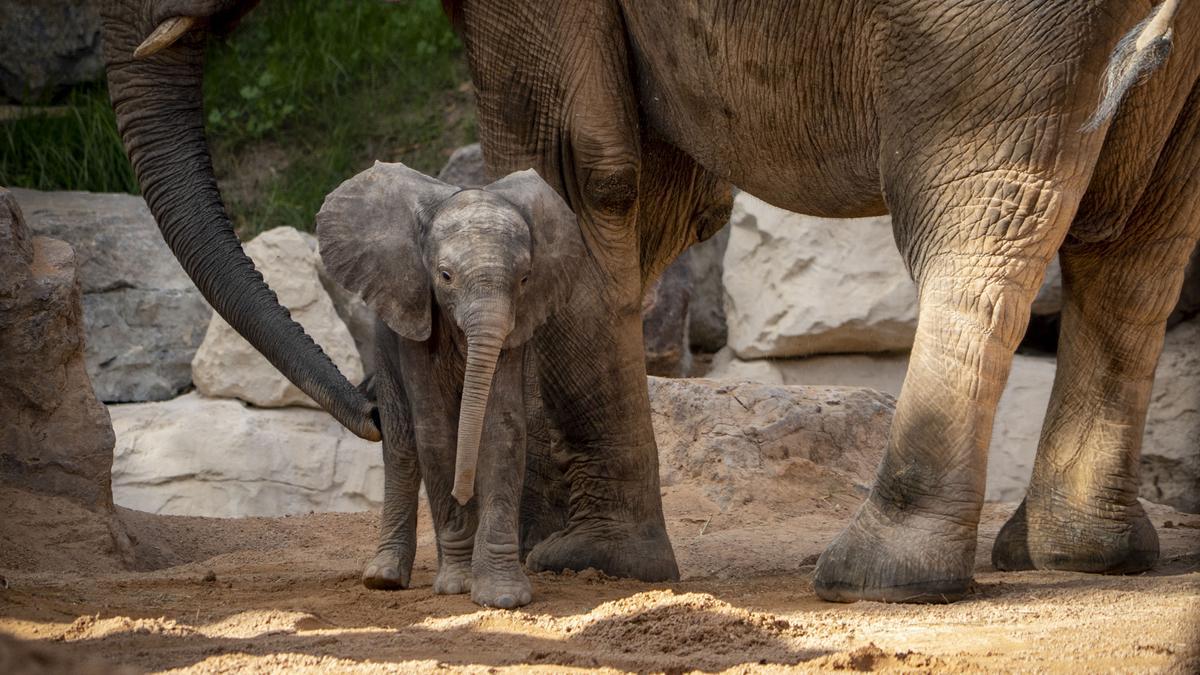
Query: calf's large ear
{"type": "Point", "coordinates": [370, 231]}
{"type": "Point", "coordinates": [557, 247]}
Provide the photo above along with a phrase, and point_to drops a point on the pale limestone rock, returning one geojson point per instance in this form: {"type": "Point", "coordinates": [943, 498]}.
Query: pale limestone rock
{"type": "Point", "coordinates": [742, 442]}
{"type": "Point", "coordinates": [798, 285]}
{"type": "Point", "coordinates": [1171, 455]}
{"type": "Point", "coordinates": [201, 456]}
{"type": "Point", "coordinates": [882, 372]}
{"type": "Point", "coordinates": [227, 366]}
{"type": "Point", "coordinates": [1018, 419]}
{"type": "Point", "coordinates": [1018, 426]}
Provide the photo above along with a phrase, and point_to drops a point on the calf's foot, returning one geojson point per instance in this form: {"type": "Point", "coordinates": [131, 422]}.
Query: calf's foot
{"type": "Point", "coordinates": [897, 556]}
{"type": "Point", "coordinates": [617, 549]}
{"type": "Point", "coordinates": [388, 571]}
{"type": "Point", "coordinates": [1049, 534]}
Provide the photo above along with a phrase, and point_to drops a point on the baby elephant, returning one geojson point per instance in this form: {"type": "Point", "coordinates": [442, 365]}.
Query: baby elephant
{"type": "Point", "coordinates": [459, 280]}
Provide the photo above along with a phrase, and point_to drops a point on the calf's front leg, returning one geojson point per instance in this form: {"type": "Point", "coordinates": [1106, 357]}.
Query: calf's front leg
{"type": "Point", "coordinates": [391, 568]}
{"type": "Point", "coordinates": [497, 577]}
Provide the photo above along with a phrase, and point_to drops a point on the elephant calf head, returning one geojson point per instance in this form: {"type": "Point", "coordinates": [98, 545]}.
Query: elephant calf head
{"type": "Point", "coordinates": [497, 261]}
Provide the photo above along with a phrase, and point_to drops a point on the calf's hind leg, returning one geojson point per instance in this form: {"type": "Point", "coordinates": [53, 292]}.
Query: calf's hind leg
{"type": "Point", "coordinates": [1081, 511]}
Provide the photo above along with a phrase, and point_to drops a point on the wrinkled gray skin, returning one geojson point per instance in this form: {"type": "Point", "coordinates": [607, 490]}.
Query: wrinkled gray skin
{"type": "Point", "coordinates": [460, 280]}
{"type": "Point", "coordinates": [965, 121]}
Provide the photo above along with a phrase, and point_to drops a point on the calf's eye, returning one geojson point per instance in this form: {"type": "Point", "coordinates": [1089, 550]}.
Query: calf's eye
{"type": "Point", "coordinates": [445, 275]}
{"type": "Point", "coordinates": [524, 279]}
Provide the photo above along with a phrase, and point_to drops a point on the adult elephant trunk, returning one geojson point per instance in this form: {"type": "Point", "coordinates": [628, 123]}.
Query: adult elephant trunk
{"type": "Point", "coordinates": [159, 110]}
{"type": "Point", "coordinates": [484, 341]}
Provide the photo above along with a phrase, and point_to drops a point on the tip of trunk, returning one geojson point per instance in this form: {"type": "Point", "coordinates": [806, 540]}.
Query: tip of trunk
{"type": "Point", "coordinates": [463, 494]}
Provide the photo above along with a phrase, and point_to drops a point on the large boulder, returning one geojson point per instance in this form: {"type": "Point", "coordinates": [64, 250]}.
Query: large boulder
{"type": "Point", "coordinates": [359, 318]}
{"type": "Point", "coordinates": [665, 321]}
{"type": "Point", "coordinates": [1018, 420]}
{"type": "Point", "coordinates": [797, 285]}
{"type": "Point", "coordinates": [143, 316]}
{"type": "Point", "coordinates": [1171, 455]}
{"type": "Point", "coordinates": [465, 168]}
{"type": "Point", "coordinates": [707, 329]}
{"type": "Point", "coordinates": [744, 442]}
{"type": "Point", "coordinates": [46, 44]}
{"type": "Point", "coordinates": [227, 366]}
{"type": "Point", "coordinates": [200, 456]}
{"type": "Point", "coordinates": [55, 436]}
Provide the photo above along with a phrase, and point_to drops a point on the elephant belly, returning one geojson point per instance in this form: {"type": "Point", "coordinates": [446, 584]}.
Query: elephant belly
{"type": "Point", "coordinates": [771, 96]}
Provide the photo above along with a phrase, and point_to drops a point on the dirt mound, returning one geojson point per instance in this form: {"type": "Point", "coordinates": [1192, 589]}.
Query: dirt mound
{"type": "Point", "coordinates": [708, 633]}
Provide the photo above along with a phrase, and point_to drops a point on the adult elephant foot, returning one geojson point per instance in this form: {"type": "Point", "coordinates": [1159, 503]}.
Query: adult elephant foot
{"type": "Point", "coordinates": [506, 590]}
{"type": "Point", "coordinates": [1057, 537]}
{"type": "Point", "coordinates": [897, 557]}
{"type": "Point", "coordinates": [453, 578]}
{"type": "Point", "coordinates": [617, 549]}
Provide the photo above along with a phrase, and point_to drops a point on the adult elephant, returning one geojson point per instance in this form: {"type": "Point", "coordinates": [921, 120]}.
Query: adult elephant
{"type": "Point", "coordinates": [974, 124]}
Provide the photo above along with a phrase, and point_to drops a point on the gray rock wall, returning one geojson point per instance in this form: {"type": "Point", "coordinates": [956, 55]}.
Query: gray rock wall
{"type": "Point", "coordinates": [46, 44]}
{"type": "Point", "coordinates": [143, 316]}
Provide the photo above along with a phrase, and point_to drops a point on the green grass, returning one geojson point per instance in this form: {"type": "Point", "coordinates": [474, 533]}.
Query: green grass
{"type": "Point", "coordinates": [303, 95]}
{"type": "Point", "coordinates": [73, 146]}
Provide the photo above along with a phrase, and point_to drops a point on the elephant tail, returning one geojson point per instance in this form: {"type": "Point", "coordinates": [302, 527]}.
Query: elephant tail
{"type": "Point", "coordinates": [1142, 51]}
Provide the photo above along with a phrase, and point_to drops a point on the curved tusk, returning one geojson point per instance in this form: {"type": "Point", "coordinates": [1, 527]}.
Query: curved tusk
{"type": "Point", "coordinates": [165, 35]}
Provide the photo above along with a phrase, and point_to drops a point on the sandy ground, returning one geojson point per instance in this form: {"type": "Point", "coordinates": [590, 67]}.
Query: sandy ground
{"type": "Point", "coordinates": [256, 595]}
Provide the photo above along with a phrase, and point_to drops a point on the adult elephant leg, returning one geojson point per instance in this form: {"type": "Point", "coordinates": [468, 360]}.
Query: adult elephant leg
{"type": "Point", "coordinates": [981, 196]}
{"type": "Point", "coordinates": [554, 89]}
{"type": "Point", "coordinates": [1081, 511]}
{"type": "Point", "coordinates": [913, 540]}
{"type": "Point", "coordinates": [679, 204]}
{"type": "Point", "coordinates": [545, 493]}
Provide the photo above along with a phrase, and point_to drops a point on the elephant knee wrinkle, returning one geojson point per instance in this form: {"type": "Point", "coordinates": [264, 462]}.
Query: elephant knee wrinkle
{"type": "Point", "coordinates": [612, 191]}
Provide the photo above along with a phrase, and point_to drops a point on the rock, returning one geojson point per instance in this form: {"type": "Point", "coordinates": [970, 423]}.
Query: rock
{"type": "Point", "coordinates": [143, 316]}
{"type": "Point", "coordinates": [1018, 420]}
{"type": "Point", "coordinates": [665, 322]}
{"type": "Point", "coordinates": [1170, 462]}
{"type": "Point", "coordinates": [350, 307]}
{"type": "Point", "coordinates": [218, 457]}
{"type": "Point", "coordinates": [1018, 427]}
{"type": "Point", "coordinates": [798, 285]}
{"type": "Point", "coordinates": [1049, 297]}
{"type": "Point", "coordinates": [465, 168]}
{"type": "Point", "coordinates": [743, 442]}
{"type": "Point", "coordinates": [707, 329]}
{"type": "Point", "coordinates": [1189, 295]}
{"type": "Point", "coordinates": [227, 366]}
{"type": "Point", "coordinates": [55, 437]}
{"type": "Point", "coordinates": [46, 44]}
{"type": "Point", "coordinates": [882, 372]}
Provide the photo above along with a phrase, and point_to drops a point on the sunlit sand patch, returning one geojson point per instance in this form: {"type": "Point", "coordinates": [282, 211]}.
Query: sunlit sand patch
{"type": "Point", "coordinates": [94, 628]}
